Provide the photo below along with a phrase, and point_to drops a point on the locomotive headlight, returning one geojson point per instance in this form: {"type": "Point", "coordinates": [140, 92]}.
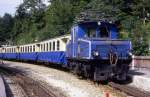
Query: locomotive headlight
{"type": "Point", "coordinates": [95, 53]}
{"type": "Point", "coordinates": [130, 53]}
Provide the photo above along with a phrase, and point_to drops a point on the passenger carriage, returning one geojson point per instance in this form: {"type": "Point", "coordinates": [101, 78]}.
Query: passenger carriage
{"type": "Point", "coordinates": [52, 50]}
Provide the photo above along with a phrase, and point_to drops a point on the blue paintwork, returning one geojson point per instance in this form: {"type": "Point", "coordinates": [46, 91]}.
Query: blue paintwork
{"type": "Point", "coordinates": [121, 47]}
{"type": "Point", "coordinates": [82, 46]}
{"type": "Point", "coordinates": [54, 57]}
{"type": "Point", "coordinates": [9, 55]}
{"type": "Point", "coordinates": [84, 49]}
{"type": "Point", "coordinates": [1, 55]}
{"type": "Point", "coordinates": [28, 56]}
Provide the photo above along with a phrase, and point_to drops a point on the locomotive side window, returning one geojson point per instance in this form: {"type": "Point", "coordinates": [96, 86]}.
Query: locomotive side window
{"type": "Point", "coordinates": [91, 32]}
{"type": "Point", "coordinates": [104, 32]}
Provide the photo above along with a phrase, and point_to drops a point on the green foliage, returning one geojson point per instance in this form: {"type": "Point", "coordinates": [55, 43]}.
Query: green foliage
{"type": "Point", "coordinates": [6, 25]}
{"type": "Point", "coordinates": [35, 21]}
{"type": "Point", "coordinates": [60, 16]}
{"type": "Point", "coordinates": [139, 37]}
{"type": "Point", "coordinates": [133, 19]}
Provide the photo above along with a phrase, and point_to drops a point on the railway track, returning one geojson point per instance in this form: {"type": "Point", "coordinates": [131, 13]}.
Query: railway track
{"type": "Point", "coordinates": [129, 90]}
{"type": "Point", "coordinates": [27, 86]}
{"type": "Point", "coordinates": [41, 89]}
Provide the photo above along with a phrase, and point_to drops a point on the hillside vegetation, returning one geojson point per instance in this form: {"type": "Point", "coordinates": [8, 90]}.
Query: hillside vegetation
{"type": "Point", "coordinates": [34, 21]}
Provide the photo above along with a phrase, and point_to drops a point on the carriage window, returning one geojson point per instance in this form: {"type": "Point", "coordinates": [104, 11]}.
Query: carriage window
{"type": "Point", "coordinates": [30, 48]}
{"type": "Point", "coordinates": [43, 47]}
{"type": "Point", "coordinates": [50, 46]}
{"type": "Point", "coordinates": [25, 49]}
{"type": "Point", "coordinates": [104, 32]}
{"type": "Point", "coordinates": [14, 50]}
{"type": "Point", "coordinates": [58, 44]}
{"type": "Point", "coordinates": [53, 46]}
{"type": "Point", "coordinates": [47, 47]}
{"type": "Point", "coordinates": [22, 49]}
{"type": "Point", "coordinates": [34, 48]}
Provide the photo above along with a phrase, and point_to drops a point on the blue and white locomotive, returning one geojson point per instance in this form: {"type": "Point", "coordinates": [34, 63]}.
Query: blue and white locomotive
{"type": "Point", "coordinates": [92, 50]}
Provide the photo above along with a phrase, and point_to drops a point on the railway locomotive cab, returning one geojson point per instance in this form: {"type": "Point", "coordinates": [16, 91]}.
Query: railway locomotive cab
{"type": "Point", "coordinates": [95, 51]}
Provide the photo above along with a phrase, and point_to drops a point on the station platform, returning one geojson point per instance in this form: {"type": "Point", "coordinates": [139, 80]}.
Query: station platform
{"type": "Point", "coordinates": [140, 78]}
{"type": "Point", "coordinates": [2, 88]}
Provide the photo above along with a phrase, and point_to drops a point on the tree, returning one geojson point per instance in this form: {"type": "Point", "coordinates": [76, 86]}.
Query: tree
{"type": "Point", "coordinates": [60, 16]}
{"type": "Point", "coordinates": [6, 25]}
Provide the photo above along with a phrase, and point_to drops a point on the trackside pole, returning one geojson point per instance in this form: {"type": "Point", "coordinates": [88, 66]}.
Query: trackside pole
{"type": "Point", "coordinates": [133, 63]}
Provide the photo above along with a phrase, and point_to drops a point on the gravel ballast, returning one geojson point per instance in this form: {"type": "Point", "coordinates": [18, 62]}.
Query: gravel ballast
{"type": "Point", "coordinates": [66, 82]}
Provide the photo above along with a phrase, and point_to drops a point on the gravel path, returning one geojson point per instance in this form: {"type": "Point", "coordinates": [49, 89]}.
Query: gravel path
{"type": "Point", "coordinates": [71, 85]}
{"type": "Point", "coordinates": [2, 88]}
{"type": "Point", "coordinates": [141, 79]}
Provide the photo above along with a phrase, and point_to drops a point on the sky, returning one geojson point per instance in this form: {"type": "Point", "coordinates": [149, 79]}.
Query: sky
{"type": "Point", "coordinates": [9, 6]}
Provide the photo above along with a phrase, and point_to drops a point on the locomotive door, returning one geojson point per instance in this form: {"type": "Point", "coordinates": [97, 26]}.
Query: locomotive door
{"type": "Point", "coordinates": [73, 40]}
